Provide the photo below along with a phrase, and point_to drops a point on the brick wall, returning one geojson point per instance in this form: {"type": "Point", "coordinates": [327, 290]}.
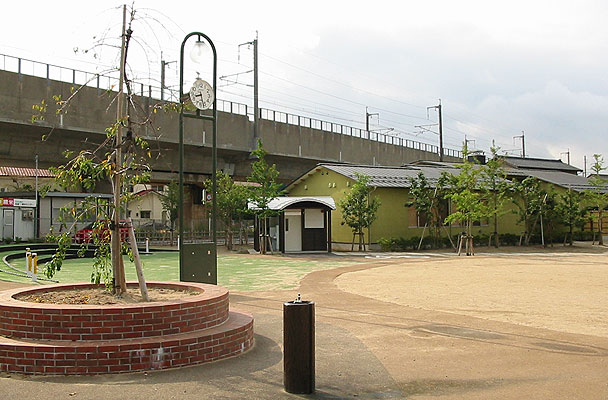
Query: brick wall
{"type": "Point", "coordinates": [90, 339]}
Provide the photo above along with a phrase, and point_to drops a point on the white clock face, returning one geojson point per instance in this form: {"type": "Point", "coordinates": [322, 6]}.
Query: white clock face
{"type": "Point", "coordinates": [201, 94]}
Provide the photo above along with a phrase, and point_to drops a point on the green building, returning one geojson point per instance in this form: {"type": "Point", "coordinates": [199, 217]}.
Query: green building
{"type": "Point", "coordinates": [391, 186]}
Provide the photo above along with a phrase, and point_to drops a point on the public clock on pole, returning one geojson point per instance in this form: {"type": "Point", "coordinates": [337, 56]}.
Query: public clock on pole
{"type": "Point", "coordinates": [201, 94]}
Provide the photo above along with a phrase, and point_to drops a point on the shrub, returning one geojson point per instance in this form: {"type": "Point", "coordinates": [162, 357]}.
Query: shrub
{"type": "Point", "coordinates": [583, 235]}
{"type": "Point", "coordinates": [481, 239]}
{"type": "Point", "coordinates": [508, 239]}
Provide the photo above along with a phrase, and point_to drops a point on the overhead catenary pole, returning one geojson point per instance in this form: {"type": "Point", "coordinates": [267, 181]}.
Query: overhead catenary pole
{"type": "Point", "coordinates": [367, 117]}
{"type": "Point", "coordinates": [163, 66]}
{"type": "Point", "coordinates": [256, 109]}
{"type": "Point", "coordinates": [438, 108]}
{"type": "Point", "coordinates": [567, 154]}
{"type": "Point", "coordinates": [585, 162]}
{"type": "Point", "coordinates": [117, 265]}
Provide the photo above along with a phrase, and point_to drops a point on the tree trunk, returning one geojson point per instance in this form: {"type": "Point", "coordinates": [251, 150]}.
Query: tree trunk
{"type": "Point", "coordinates": [263, 235]}
{"type": "Point", "coordinates": [600, 227]}
{"type": "Point", "coordinates": [496, 241]}
{"type": "Point", "coordinates": [120, 285]}
{"type": "Point", "coordinates": [229, 237]}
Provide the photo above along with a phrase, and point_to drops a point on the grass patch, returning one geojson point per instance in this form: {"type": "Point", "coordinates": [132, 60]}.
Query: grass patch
{"type": "Point", "coordinates": [235, 272]}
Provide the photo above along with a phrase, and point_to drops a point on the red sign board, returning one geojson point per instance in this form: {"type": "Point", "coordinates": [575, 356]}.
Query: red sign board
{"type": "Point", "coordinates": [7, 202]}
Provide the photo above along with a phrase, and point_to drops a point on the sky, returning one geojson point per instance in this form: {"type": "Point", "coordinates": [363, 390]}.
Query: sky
{"type": "Point", "coordinates": [499, 68]}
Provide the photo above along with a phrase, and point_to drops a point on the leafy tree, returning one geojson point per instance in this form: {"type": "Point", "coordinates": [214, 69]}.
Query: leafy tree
{"type": "Point", "coordinates": [359, 210]}
{"type": "Point", "coordinates": [496, 188]}
{"type": "Point", "coordinates": [427, 200]}
{"type": "Point", "coordinates": [466, 197]}
{"type": "Point", "coordinates": [120, 160]}
{"type": "Point", "coordinates": [571, 212]}
{"type": "Point", "coordinates": [231, 203]}
{"type": "Point", "coordinates": [527, 196]}
{"type": "Point", "coordinates": [266, 189]}
{"type": "Point", "coordinates": [550, 215]}
{"type": "Point", "coordinates": [597, 196]}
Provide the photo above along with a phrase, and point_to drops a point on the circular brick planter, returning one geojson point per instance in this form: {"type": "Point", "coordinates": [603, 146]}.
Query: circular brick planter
{"type": "Point", "coordinates": [38, 338]}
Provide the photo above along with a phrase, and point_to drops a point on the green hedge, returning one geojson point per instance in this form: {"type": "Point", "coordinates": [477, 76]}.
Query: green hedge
{"type": "Point", "coordinates": [505, 239]}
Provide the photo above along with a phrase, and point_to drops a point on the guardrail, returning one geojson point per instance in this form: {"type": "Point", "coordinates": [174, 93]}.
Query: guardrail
{"type": "Point", "coordinates": [109, 81]}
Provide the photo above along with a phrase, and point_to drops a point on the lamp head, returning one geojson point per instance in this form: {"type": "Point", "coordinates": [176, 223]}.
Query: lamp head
{"type": "Point", "coordinates": [199, 51]}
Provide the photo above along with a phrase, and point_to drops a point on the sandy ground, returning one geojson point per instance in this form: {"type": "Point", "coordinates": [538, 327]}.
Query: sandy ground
{"type": "Point", "coordinates": [562, 292]}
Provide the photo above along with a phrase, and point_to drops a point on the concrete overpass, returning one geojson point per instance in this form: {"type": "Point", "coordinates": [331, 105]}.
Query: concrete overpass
{"type": "Point", "coordinates": [294, 143]}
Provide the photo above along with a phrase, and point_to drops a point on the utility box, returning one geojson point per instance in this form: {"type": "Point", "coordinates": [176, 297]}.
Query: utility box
{"type": "Point", "coordinates": [198, 263]}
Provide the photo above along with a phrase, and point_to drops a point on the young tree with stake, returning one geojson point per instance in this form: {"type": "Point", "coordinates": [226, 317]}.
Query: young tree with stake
{"type": "Point", "coordinates": [359, 209]}
{"type": "Point", "coordinates": [266, 189]}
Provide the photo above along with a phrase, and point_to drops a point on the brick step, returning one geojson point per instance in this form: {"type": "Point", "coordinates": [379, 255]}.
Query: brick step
{"type": "Point", "coordinates": [234, 336]}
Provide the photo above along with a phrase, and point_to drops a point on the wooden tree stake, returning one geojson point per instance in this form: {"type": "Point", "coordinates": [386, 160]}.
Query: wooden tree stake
{"type": "Point", "coordinates": [140, 272]}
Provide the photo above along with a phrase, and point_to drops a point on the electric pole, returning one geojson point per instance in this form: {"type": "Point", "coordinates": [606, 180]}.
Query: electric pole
{"type": "Point", "coordinates": [367, 115]}
{"type": "Point", "coordinates": [523, 143]}
{"type": "Point", "coordinates": [438, 108]}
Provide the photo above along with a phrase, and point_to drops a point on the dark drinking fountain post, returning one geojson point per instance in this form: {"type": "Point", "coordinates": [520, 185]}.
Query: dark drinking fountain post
{"type": "Point", "coordinates": [299, 346]}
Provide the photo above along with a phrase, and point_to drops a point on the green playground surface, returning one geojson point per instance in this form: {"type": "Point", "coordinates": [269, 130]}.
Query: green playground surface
{"type": "Point", "coordinates": [240, 272]}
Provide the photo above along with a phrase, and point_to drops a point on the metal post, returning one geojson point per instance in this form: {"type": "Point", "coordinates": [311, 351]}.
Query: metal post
{"type": "Point", "coordinates": [198, 115]}
{"type": "Point", "coordinates": [37, 224]}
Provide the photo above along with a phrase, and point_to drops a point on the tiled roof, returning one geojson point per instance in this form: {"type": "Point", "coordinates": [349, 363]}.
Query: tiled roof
{"type": "Point", "coordinates": [145, 191]}
{"type": "Point", "coordinates": [389, 176]}
{"type": "Point", "coordinates": [539, 163]}
{"type": "Point", "coordinates": [399, 176]}
{"type": "Point", "coordinates": [25, 172]}
{"type": "Point", "coordinates": [559, 178]}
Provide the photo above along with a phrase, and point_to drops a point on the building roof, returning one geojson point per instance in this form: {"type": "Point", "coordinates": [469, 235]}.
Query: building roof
{"type": "Point", "coordinates": [79, 195]}
{"type": "Point", "coordinates": [399, 177]}
{"type": "Point", "coordinates": [145, 192]}
{"type": "Point", "coordinates": [280, 203]}
{"type": "Point", "coordinates": [539, 163]}
{"type": "Point", "coordinates": [559, 178]}
{"type": "Point", "coordinates": [384, 176]}
{"type": "Point", "coordinates": [25, 172]}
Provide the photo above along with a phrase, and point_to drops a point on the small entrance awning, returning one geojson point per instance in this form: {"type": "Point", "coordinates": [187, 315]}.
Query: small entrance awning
{"type": "Point", "coordinates": [281, 203]}
{"type": "Point", "coordinates": [303, 224]}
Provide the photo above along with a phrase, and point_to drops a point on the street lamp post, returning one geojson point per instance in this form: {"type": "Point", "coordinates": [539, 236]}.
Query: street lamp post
{"type": "Point", "coordinates": [203, 96]}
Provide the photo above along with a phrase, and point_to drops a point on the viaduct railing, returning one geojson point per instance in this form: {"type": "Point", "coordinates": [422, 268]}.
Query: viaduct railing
{"type": "Point", "coordinates": [106, 81]}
